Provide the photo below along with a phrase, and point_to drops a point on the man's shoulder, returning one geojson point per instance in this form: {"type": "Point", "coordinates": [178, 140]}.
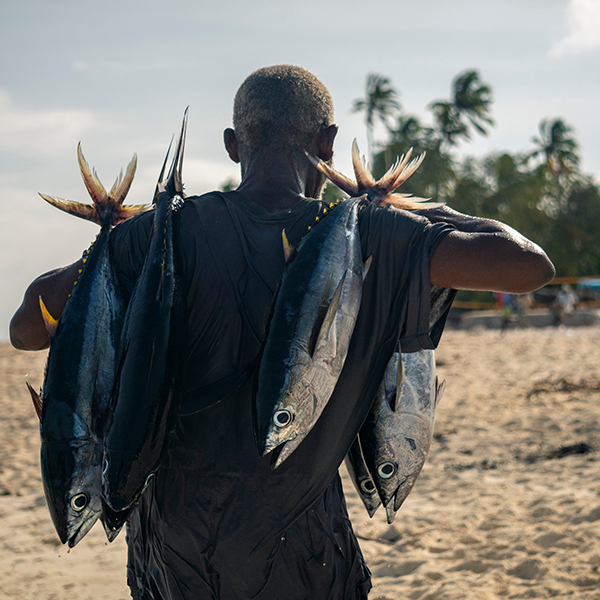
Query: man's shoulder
{"type": "Point", "coordinates": [384, 219]}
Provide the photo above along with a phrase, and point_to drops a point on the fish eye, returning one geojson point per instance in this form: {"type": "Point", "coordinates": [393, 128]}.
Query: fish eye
{"type": "Point", "coordinates": [386, 470]}
{"type": "Point", "coordinates": [367, 486]}
{"type": "Point", "coordinates": [79, 502]}
{"type": "Point", "coordinates": [282, 418]}
{"type": "Point", "coordinates": [411, 443]}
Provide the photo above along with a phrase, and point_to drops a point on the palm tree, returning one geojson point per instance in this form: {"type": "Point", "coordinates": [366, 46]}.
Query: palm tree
{"type": "Point", "coordinates": [558, 149]}
{"type": "Point", "coordinates": [557, 146]}
{"type": "Point", "coordinates": [469, 108]}
{"type": "Point", "coordinates": [380, 101]}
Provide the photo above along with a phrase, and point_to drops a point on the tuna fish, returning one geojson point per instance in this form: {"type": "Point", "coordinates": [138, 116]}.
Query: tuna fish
{"type": "Point", "coordinates": [390, 450]}
{"type": "Point", "coordinates": [147, 391]}
{"type": "Point", "coordinates": [362, 478]}
{"type": "Point", "coordinates": [81, 366]}
{"type": "Point", "coordinates": [309, 333]}
{"type": "Point", "coordinates": [397, 433]}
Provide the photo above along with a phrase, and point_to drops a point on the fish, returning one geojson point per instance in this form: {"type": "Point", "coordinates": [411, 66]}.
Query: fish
{"type": "Point", "coordinates": [388, 454]}
{"type": "Point", "coordinates": [309, 332]}
{"type": "Point", "coordinates": [147, 393]}
{"type": "Point", "coordinates": [72, 406]}
{"type": "Point", "coordinates": [397, 434]}
{"type": "Point", "coordinates": [362, 478]}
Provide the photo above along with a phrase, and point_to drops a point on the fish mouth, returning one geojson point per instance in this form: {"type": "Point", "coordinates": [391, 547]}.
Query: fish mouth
{"type": "Point", "coordinates": [113, 520]}
{"type": "Point", "coordinates": [82, 530]}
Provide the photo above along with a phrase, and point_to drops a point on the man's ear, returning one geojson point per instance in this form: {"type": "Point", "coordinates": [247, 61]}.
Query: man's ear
{"type": "Point", "coordinates": [231, 145]}
{"type": "Point", "coordinates": [326, 139]}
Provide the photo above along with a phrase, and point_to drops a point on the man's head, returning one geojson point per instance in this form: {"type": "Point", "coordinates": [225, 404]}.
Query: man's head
{"type": "Point", "coordinates": [282, 108]}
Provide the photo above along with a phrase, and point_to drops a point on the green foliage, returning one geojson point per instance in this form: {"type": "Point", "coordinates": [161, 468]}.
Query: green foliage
{"type": "Point", "coordinates": [540, 192]}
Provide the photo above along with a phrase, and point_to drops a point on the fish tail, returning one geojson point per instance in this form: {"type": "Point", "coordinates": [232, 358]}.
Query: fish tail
{"type": "Point", "coordinates": [107, 207]}
{"type": "Point", "coordinates": [380, 192]}
{"type": "Point", "coordinates": [174, 182]}
{"type": "Point", "coordinates": [364, 179]}
{"type": "Point", "coordinates": [345, 184]}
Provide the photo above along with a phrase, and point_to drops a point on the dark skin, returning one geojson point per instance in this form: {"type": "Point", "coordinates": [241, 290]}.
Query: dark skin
{"type": "Point", "coordinates": [482, 255]}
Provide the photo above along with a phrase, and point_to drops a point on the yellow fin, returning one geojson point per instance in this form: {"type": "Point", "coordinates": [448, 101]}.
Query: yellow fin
{"type": "Point", "coordinates": [49, 321]}
{"type": "Point", "coordinates": [287, 248]}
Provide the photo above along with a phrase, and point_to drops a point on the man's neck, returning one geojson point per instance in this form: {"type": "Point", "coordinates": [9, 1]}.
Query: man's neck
{"type": "Point", "coordinates": [276, 181]}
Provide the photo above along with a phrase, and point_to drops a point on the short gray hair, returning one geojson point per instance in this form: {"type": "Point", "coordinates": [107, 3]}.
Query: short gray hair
{"type": "Point", "coordinates": [281, 106]}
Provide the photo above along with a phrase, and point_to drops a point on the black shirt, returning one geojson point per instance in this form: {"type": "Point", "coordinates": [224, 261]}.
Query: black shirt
{"type": "Point", "coordinates": [217, 521]}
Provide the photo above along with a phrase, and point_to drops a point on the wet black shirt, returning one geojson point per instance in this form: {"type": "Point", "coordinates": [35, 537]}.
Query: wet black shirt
{"type": "Point", "coordinates": [217, 521]}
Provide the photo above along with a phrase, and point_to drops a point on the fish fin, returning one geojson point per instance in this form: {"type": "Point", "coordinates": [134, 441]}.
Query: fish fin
{"type": "Point", "coordinates": [439, 391]}
{"type": "Point", "coordinates": [49, 321]}
{"type": "Point", "coordinates": [399, 376]}
{"type": "Point", "coordinates": [367, 266]}
{"type": "Point", "coordinates": [83, 211]}
{"type": "Point", "coordinates": [329, 315]}
{"type": "Point", "coordinates": [37, 401]}
{"type": "Point", "coordinates": [344, 183]}
{"type": "Point", "coordinates": [122, 184]}
{"type": "Point", "coordinates": [364, 179]}
{"type": "Point", "coordinates": [287, 248]}
{"type": "Point", "coordinates": [90, 179]}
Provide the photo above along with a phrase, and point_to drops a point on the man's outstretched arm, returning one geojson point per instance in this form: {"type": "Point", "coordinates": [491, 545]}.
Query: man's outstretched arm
{"type": "Point", "coordinates": [27, 329]}
{"type": "Point", "coordinates": [486, 255]}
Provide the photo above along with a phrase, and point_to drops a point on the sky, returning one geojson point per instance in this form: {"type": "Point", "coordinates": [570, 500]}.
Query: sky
{"type": "Point", "coordinates": [117, 76]}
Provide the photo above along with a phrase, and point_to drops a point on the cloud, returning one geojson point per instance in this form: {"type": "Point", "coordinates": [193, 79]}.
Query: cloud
{"type": "Point", "coordinates": [30, 132]}
{"type": "Point", "coordinates": [583, 28]}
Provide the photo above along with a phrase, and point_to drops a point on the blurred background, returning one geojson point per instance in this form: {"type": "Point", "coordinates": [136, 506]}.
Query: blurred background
{"type": "Point", "coordinates": [503, 96]}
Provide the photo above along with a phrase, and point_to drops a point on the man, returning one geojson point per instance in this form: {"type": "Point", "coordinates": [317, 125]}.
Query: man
{"type": "Point", "coordinates": [216, 520]}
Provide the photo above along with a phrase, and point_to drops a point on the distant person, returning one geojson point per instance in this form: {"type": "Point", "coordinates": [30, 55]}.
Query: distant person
{"type": "Point", "coordinates": [505, 304]}
{"type": "Point", "coordinates": [216, 522]}
{"type": "Point", "coordinates": [564, 304]}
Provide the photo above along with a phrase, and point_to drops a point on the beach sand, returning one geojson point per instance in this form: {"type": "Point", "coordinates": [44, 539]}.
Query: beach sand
{"type": "Point", "coordinates": [504, 508]}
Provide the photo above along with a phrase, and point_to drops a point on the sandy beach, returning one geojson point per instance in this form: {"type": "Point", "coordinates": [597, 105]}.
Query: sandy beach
{"type": "Point", "coordinates": [507, 505]}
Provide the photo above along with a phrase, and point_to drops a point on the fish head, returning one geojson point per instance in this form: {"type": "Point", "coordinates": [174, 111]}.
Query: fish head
{"type": "Point", "coordinates": [294, 415]}
{"type": "Point", "coordinates": [401, 457]}
{"type": "Point", "coordinates": [72, 477]}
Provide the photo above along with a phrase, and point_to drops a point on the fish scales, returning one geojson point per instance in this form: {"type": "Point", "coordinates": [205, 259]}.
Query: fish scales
{"type": "Point", "coordinates": [310, 330]}
{"type": "Point", "coordinates": [147, 391]}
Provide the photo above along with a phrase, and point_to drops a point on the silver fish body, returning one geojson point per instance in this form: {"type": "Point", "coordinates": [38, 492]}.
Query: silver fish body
{"type": "Point", "coordinates": [313, 320]}
{"type": "Point", "coordinates": [76, 393]}
{"type": "Point", "coordinates": [397, 434]}
{"type": "Point", "coordinates": [81, 368]}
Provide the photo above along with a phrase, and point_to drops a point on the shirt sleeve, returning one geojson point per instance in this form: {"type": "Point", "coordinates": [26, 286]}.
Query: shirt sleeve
{"type": "Point", "coordinates": [403, 243]}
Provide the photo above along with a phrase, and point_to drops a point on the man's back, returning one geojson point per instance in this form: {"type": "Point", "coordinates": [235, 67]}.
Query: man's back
{"type": "Point", "coordinates": [217, 515]}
